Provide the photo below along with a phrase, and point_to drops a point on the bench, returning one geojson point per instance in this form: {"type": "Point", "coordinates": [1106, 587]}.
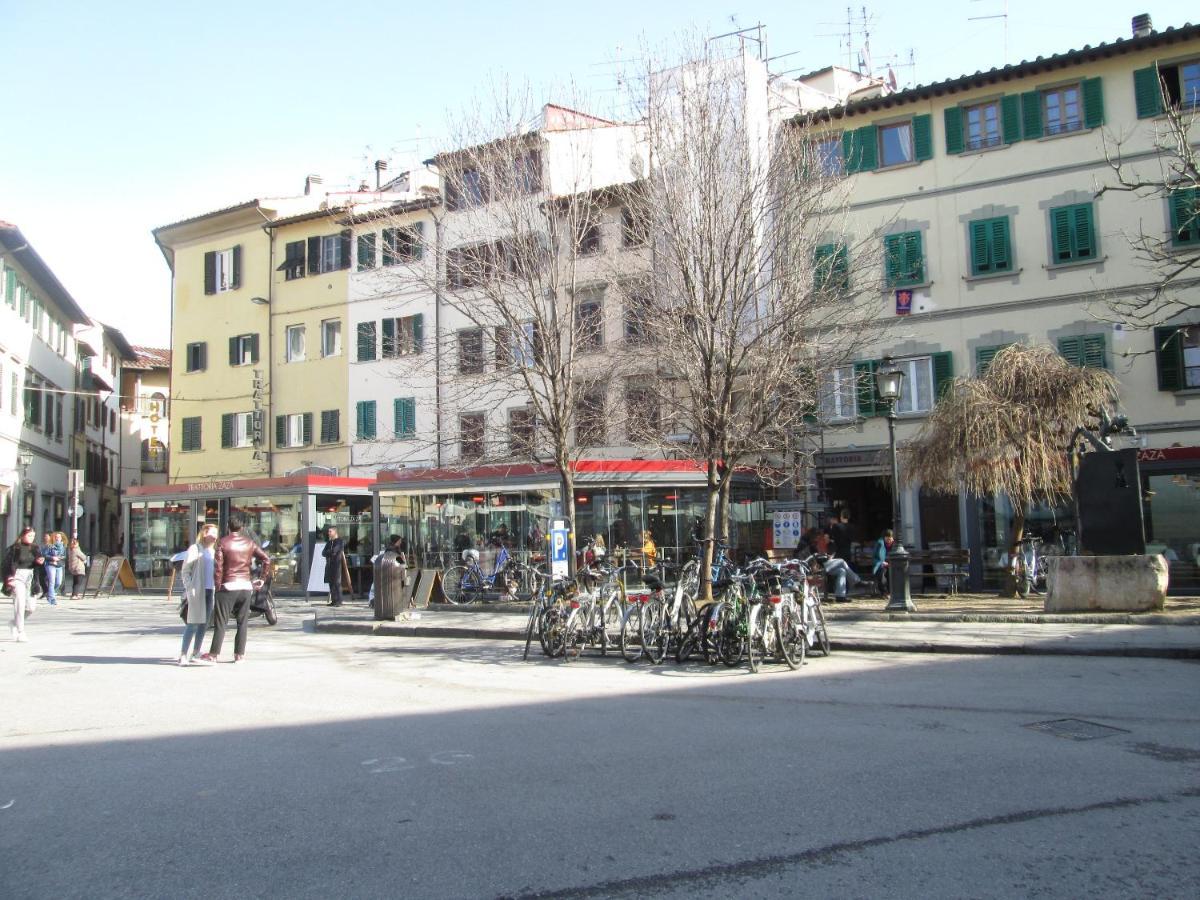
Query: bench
{"type": "Point", "coordinates": [952, 564]}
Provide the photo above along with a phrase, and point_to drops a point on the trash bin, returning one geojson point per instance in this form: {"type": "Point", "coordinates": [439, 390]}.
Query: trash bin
{"type": "Point", "coordinates": [389, 586]}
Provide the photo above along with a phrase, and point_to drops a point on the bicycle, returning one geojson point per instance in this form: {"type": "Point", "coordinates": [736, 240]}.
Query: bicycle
{"type": "Point", "coordinates": [1027, 565]}
{"type": "Point", "coordinates": [665, 623]}
{"type": "Point", "coordinates": [464, 584]}
{"type": "Point", "coordinates": [548, 617]}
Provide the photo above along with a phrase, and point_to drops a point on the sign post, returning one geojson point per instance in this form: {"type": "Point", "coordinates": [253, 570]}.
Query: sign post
{"type": "Point", "coordinates": [75, 485]}
{"type": "Point", "coordinates": [560, 550]}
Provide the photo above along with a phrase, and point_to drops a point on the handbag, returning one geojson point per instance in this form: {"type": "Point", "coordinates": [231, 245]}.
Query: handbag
{"type": "Point", "coordinates": [183, 609]}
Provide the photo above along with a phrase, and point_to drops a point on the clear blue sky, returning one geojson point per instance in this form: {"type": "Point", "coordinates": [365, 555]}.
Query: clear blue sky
{"type": "Point", "coordinates": [121, 116]}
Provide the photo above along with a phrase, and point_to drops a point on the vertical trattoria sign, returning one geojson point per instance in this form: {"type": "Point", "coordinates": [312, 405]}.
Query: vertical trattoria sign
{"type": "Point", "coordinates": [256, 423]}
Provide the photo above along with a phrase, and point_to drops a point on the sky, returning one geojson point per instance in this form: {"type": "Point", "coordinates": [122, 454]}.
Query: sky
{"type": "Point", "coordinates": [122, 116]}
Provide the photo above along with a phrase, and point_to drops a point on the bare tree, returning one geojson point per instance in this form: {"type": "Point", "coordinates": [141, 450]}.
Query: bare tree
{"type": "Point", "coordinates": [756, 287]}
{"type": "Point", "coordinates": [1171, 175]}
{"type": "Point", "coordinates": [1008, 431]}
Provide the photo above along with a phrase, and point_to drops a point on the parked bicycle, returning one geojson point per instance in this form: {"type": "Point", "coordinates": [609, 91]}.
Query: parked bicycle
{"type": "Point", "coordinates": [508, 580]}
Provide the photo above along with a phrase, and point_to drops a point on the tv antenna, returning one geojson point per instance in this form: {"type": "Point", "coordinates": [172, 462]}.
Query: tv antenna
{"type": "Point", "coordinates": [1000, 15]}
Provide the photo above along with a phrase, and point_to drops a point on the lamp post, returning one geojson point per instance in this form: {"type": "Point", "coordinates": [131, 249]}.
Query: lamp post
{"type": "Point", "coordinates": [889, 380]}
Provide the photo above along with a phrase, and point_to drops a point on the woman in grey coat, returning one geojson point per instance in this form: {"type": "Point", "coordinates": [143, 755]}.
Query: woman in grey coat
{"type": "Point", "coordinates": [198, 590]}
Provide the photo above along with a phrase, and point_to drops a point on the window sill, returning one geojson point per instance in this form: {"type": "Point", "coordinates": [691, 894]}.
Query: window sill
{"type": "Point", "coordinates": [990, 148]}
{"type": "Point", "coordinates": [1058, 135]}
{"type": "Point", "coordinates": [900, 165]}
{"type": "Point", "coordinates": [1080, 264]}
{"type": "Point", "coordinates": [918, 286]}
{"type": "Point", "coordinates": [993, 276]}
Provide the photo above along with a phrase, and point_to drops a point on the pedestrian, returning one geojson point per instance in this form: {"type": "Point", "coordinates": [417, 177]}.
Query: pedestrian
{"type": "Point", "coordinates": [199, 593]}
{"type": "Point", "coordinates": [649, 550]}
{"type": "Point", "coordinates": [880, 571]}
{"type": "Point", "coordinates": [59, 561]}
{"type": "Point", "coordinates": [51, 562]}
{"type": "Point", "coordinates": [21, 560]}
{"type": "Point", "coordinates": [231, 576]}
{"type": "Point", "coordinates": [334, 553]}
{"type": "Point", "coordinates": [77, 567]}
{"type": "Point", "coordinates": [839, 535]}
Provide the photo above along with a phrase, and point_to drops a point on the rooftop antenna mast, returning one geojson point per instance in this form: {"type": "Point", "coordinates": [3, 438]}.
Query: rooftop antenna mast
{"type": "Point", "coordinates": [1001, 15]}
{"type": "Point", "coordinates": [756, 33]}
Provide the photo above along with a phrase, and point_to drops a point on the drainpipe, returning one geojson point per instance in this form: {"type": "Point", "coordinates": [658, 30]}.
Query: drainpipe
{"type": "Point", "coordinates": [269, 368]}
{"type": "Point", "coordinates": [439, 253]}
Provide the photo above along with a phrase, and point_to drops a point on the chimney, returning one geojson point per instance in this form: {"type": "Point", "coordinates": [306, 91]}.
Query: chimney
{"type": "Point", "coordinates": [309, 181]}
{"type": "Point", "coordinates": [380, 168]}
{"type": "Point", "coordinates": [1141, 25]}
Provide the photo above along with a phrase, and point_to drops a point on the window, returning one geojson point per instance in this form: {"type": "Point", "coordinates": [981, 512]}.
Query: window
{"type": "Point", "coordinates": [895, 144]}
{"type": "Point", "coordinates": [402, 337]}
{"type": "Point", "coordinates": [328, 253]}
{"type": "Point", "coordinates": [331, 337]}
{"type": "Point", "coordinates": [589, 420]}
{"type": "Point", "coordinates": [1062, 109]}
{"type": "Point", "coordinates": [223, 270]}
{"type": "Point", "coordinates": [191, 434]}
{"type": "Point", "coordinates": [401, 245]}
{"type": "Point", "coordinates": [587, 233]}
{"type": "Point", "coordinates": [827, 155]}
{"type": "Point", "coordinates": [831, 267]}
{"type": "Point", "coordinates": [837, 394]}
{"type": "Point", "coordinates": [365, 420]}
{"type": "Point", "coordinates": [589, 321]}
{"type": "Point", "coordinates": [1072, 234]}
{"type": "Point", "coordinates": [472, 265]}
{"type": "Point", "coordinates": [197, 356]}
{"type": "Point", "coordinates": [366, 251]}
{"type": "Point", "coordinates": [237, 429]}
{"type": "Point", "coordinates": [522, 431]}
{"type": "Point", "coordinates": [926, 378]}
{"type": "Point", "coordinates": [517, 348]}
{"type": "Point", "coordinates": [635, 226]}
{"type": "Point", "coordinates": [404, 414]}
{"type": "Point", "coordinates": [1185, 216]}
{"type": "Point", "coordinates": [33, 402]}
{"type": "Point", "coordinates": [293, 430]}
{"type": "Point", "coordinates": [991, 249]}
{"type": "Point", "coordinates": [243, 350]}
{"type": "Point", "coordinates": [1176, 83]}
{"type": "Point", "coordinates": [471, 435]}
{"type": "Point", "coordinates": [641, 413]}
{"type": "Point", "coordinates": [1090, 350]}
{"type": "Point", "coordinates": [464, 188]}
{"type": "Point", "coordinates": [527, 171]}
{"type": "Point", "coordinates": [1177, 355]}
{"type": "Point", "coordinates": [366, 341]}
{"type": "Point", "coordinates": [982, 123]}
{"type": "Point", "coordinates": [294, 343]}
{"type": "Point", "coordinates": [331, 426]}
{"type": "Point", "coordinates": [904, 259]}
{"type": "Point", "coordinates": [984, 357]}
{"type": "Point", "coordinates": [293, 260]}
{"type": "Point", "coordinates": [637, 310]}
{"type": "Point", "coordinates": [470, 351]}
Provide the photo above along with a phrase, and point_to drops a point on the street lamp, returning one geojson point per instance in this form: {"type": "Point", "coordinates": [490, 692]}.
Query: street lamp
{"type": "Point", "coordinates": [889, 381]}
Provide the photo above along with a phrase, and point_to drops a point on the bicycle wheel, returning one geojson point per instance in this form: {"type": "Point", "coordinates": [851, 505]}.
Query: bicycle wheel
{"type": "Point", "coordinates": [821, 632]}
{"type": "Point", "coordinates": [531, 626]}
{"type": "Point", "coordinates": [554, 631]}
{"type": "Point", "coordinates": [459, 585]}
{"type": "Point", "coordinates": [689, 577]}
{"type": "Point", "coordinates": [575, 633]}
{"type": "Point", "coordinates": [789, 634]}
{"type": "Point", "coordinates": [756, 637]}
{"type": "Point", "coordinates": [612, 614]}
{"type": "Point", "coordinates": [655, 631]}
{"type": "Point", "coordinates": [631, 633]}
{"type": "Point", "coordinates": [730, 645]}
{"type": "Point", "coordinates": [1021, 573]}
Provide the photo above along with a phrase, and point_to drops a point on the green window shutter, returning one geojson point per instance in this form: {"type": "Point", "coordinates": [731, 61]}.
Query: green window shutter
{"type": "Point", "coordinates": [922, 130]}
{"type": "Point", "coordinates": [1084, 235]}
{"type": "Point", "coordinates": [366, 251]}
{"type": "Point", "coordinates": [330, 426]}
{"type": "Point", "coordinates": [980, 257]}
{"type": "Point", "coordinates": [1095, 351]}
{"type": "Point", "coordinates": [366, 341]}
{"type": "Point", "coordinates": [1168, 356]}
{"type": "Point", "coordinates": [850, 154]}
{"type": "Point", "coordinates": [1060, 233]}
{"type": "Point", "coordinates": [1010, 118]}
{"type": "Point", "coordinates": [10, 287]}
{"type": "Point", "coordinates": [254, 349]}
{"type": "Point", "coordinates": [984, 357]}
{"type": "Point", "coordinates": [405, 417]}
{"type": "Point", "coordinates": [365, 411]}
{"type": "Point", "coordinates": [418, 332]}
{"type": "Point", "coordinates": [864, 383]}
{"type": "Point", "coordinates": [1071, 349]}
{"type": "Point", "coordinates": [346, 239]}
{"type": "Point", "coordinates": [370, 423]}
{"type": "Point", "coordinates": [237, 267]}
{"type": "Point", "coordinates": [868, 143]}
{"type": "Point", "coordinates": [1093, 103]}
{"type": "Point", "coordinates": [905, 263]}
{"type": "Point", "coordinates": [227, 430]}
{"type": "Point", "coordinates": [999, 244]}
{"type": "Point", "coordinates": [314, 256]}
{"type": "Point", "coordinates": [943, 373]}
{"type": "Point", "coordinates": [281, 431]}
{"type": "Point", "coordinates": [1147, 92]}
{"type": "Point", "coordinates": [191, 433]}
{"type": "Point", "coordinates": [387, 347]}
{"type": "Point", "coordinates": [210, 272]}
{"type": "Point", "coordinates": [1031, 115]}
{"type": "Point", "coordinates": [952, 118]}
{"type": "Point", "coordinates": [1185, 216]}
{"type": "Point", "coordinates": [308, 423]}
{"type": "Point", "coordinates": [831, 266]}
{"type": "Point", "coordinates": [389, 247]}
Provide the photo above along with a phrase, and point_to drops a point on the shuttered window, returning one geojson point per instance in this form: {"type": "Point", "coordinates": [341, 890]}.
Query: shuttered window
{"type": "Point", "coordinates": [1177, 357]}
{"type": "Point", "coordinates": [831, 267]}
{"type": "Point", "coordinates": [405, 418]}
{"type": "Point", "coordinates": [984, 357]}
{"type": "Point", "coordinates": [991, 249]}
{"type": "Point", "coordinates": [1072, 233]}
{"type": "Point", "coordinates": [1081, 350]}
{"type": "Point", "coordinates": [365, 420]}
{"type": "Point", "coordinates": [366, 341]}
{"type": "Point", "coordinates": [904, 259]}
{"type": "Point", "coordinates": [191, 433]}
{"type": "Point", "coordinates": [331, 426]}
{"type": "Point", "coordinates": [366, 251]}
{"type": "Point", "coordinates": [1185, 216]}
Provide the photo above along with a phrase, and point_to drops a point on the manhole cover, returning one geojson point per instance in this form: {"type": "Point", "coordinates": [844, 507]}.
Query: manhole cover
{"type": "Point", "coordinates": [1076, 729]}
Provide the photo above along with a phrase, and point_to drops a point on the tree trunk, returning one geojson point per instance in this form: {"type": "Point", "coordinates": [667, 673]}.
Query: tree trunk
{"type": "Point", "coordinates": [1014, 547]}
{"type": "Point", "coordinates": [567, 478]}
{"type": "Point", "coordinates": [710, 531]}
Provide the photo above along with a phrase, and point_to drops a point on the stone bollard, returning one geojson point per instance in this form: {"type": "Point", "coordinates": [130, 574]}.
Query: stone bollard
{"type": "Point", "coordinates": [1106, 583]}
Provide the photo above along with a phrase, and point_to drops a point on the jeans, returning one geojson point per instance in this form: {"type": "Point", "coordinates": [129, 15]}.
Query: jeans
{"type": "Point", "coordinates": [228, 602]}
{"type": "Point", "coordinates": [197, 631]}
{"type": "Point", "coordinates": [22, 598]}
{"type": "Point", "coordinates": [48, 571]}
{"type": "Point", "coordinates": [841, 573]}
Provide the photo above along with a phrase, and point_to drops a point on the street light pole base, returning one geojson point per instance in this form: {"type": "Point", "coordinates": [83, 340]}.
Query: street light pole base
{"type": "Point", "coordinates": [901, 599]}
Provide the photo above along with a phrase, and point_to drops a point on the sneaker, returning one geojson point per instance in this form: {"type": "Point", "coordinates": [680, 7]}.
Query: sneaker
{"type": "Point", "coordinates": [21, 638]}
{"type": "Point", "coordinates": [238, 657]}
{"type": "Point", "coordinates": [208, 658]}
{"type": "Point", "coordinates": [202, 660]}
{"type": "Point", "coordinates": [183, 660]}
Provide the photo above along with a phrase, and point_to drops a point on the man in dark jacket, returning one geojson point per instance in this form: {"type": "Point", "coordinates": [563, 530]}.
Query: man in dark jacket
{"type": "Point", "coordinates": [334, 553]}
{"type": "Point", "coordinates": [231, 575]}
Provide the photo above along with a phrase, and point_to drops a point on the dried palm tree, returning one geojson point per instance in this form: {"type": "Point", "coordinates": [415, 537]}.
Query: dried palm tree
{"type": "Point", "coordinates": [1007, 431]}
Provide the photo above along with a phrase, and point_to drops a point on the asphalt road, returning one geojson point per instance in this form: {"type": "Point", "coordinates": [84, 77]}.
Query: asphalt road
{"type": "Point", "coordinates": [348, 766]}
